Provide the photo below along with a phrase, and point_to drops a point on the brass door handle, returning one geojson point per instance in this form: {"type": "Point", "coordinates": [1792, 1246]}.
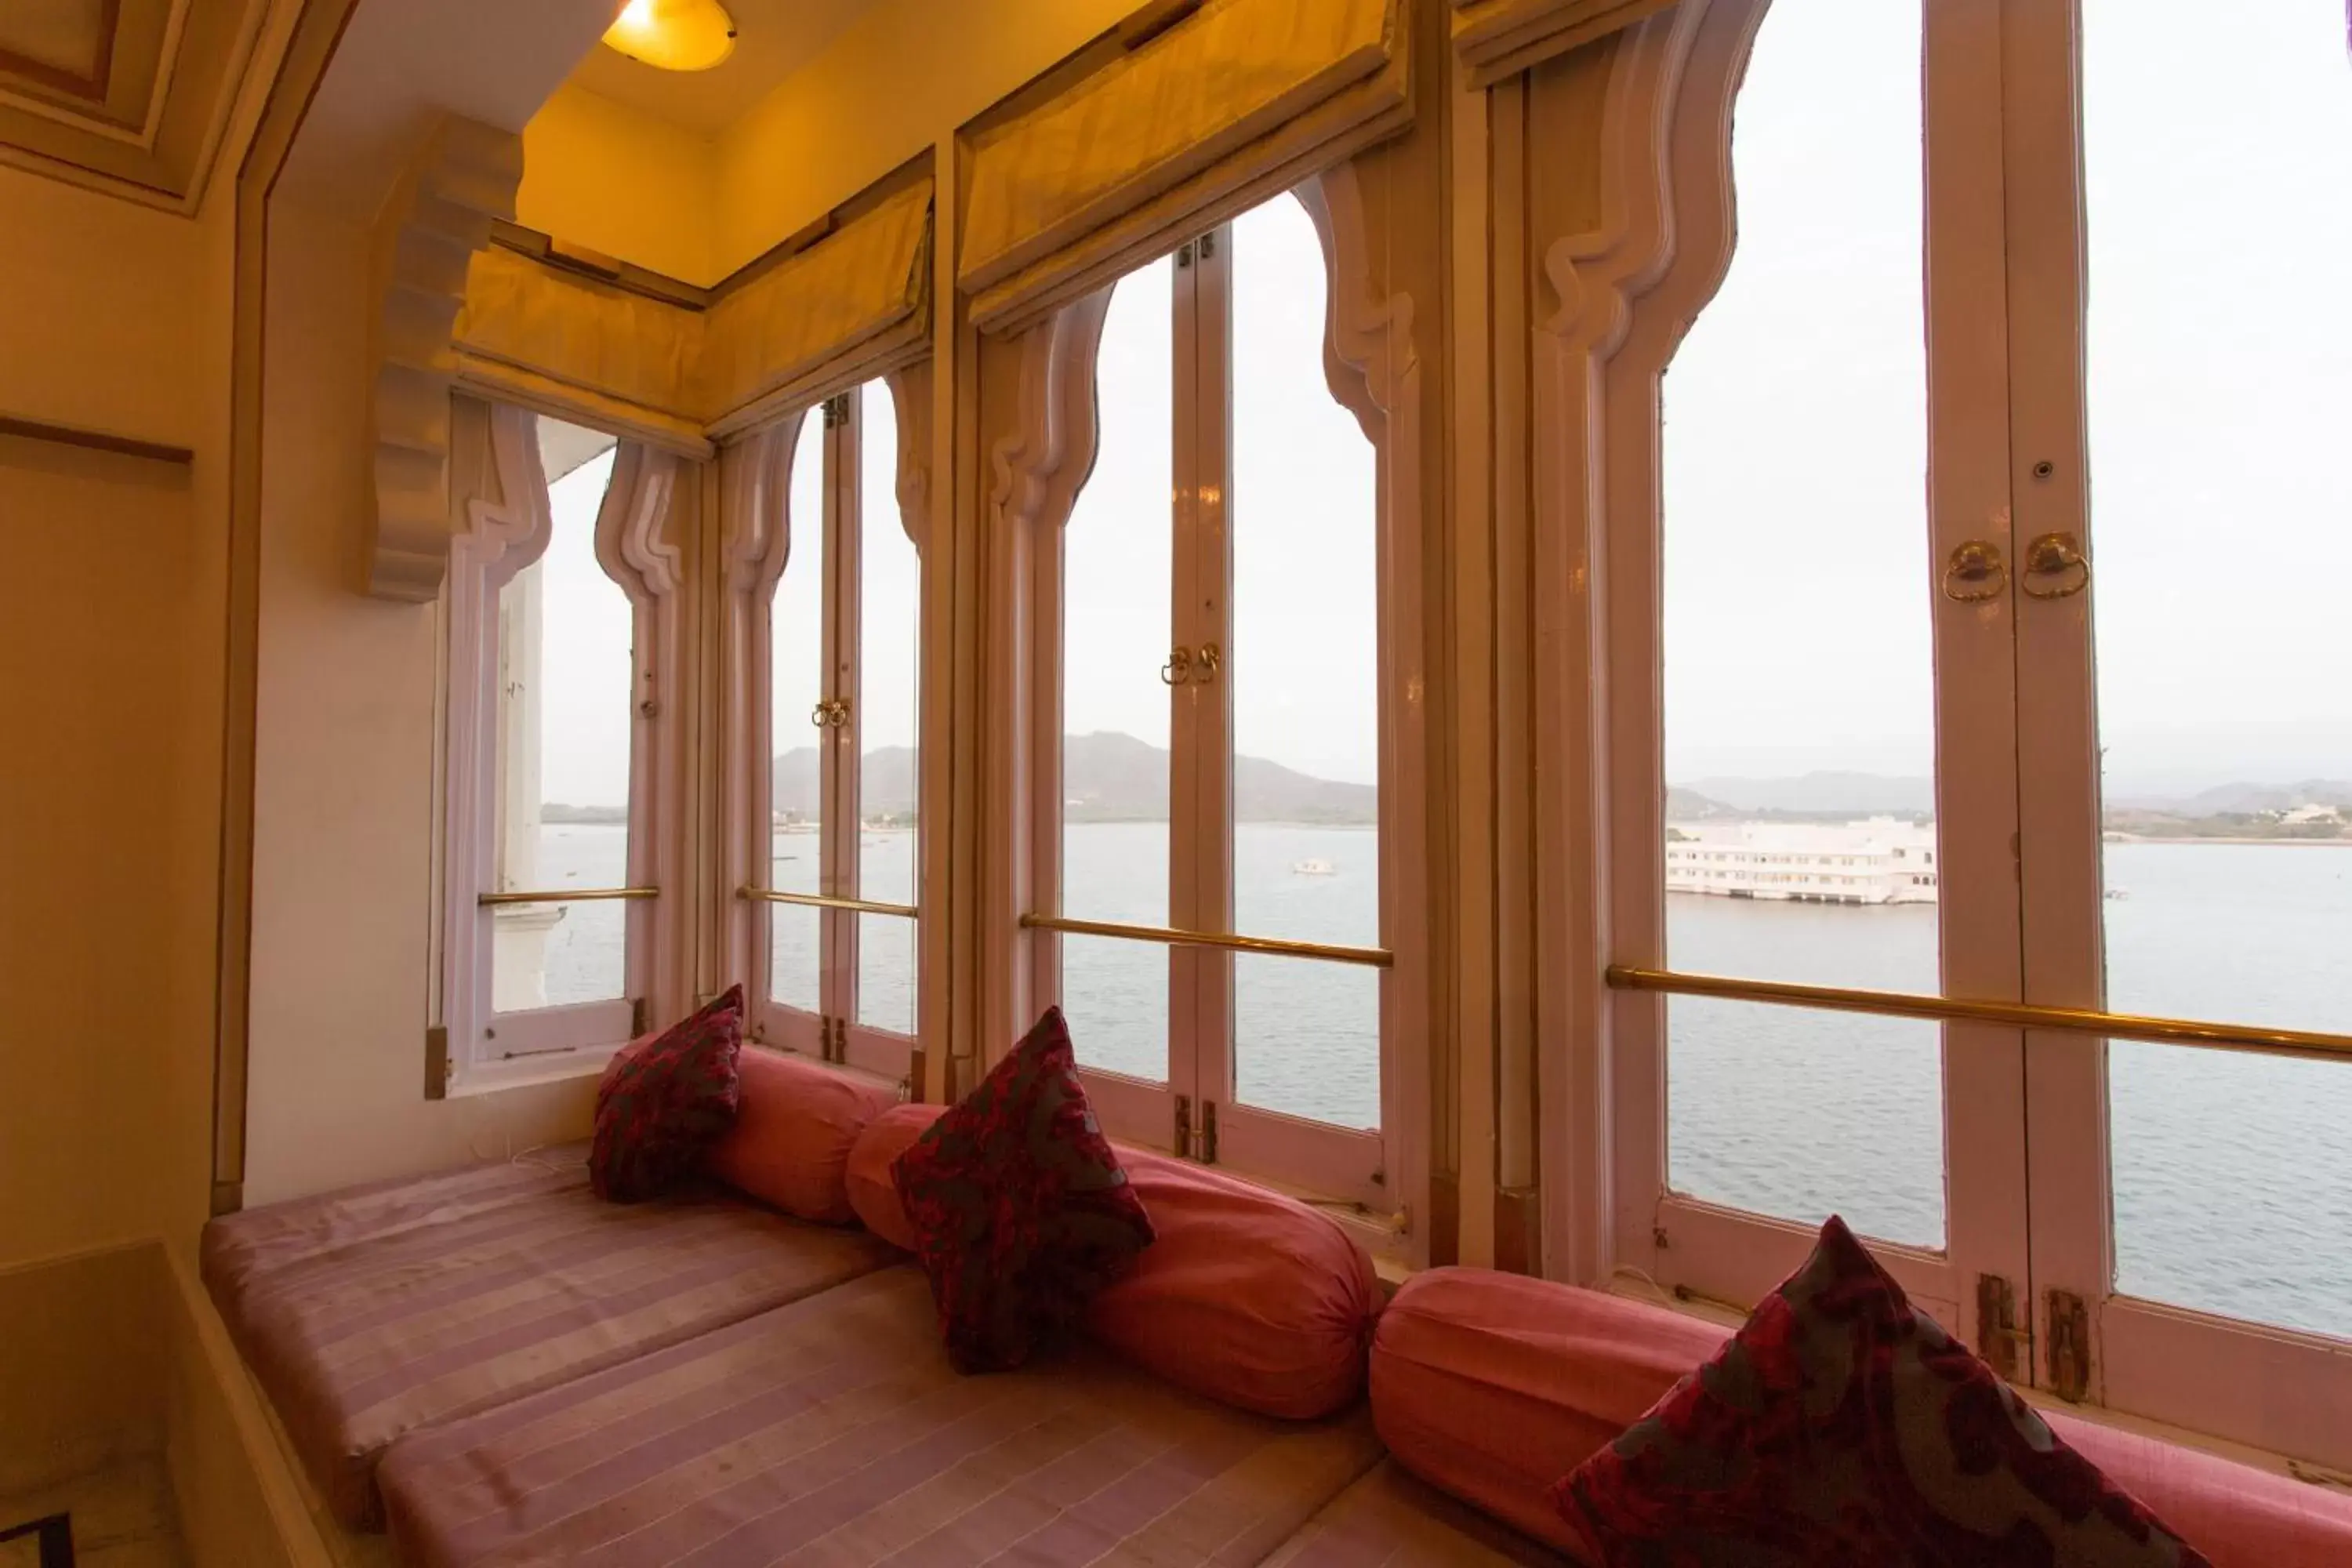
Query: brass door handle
{"type": "Point", "coordinates": [2056, 558]}
{"type": "Point", "coordinates": [1178, 669]}
{"type": "Point", "coordinates": [831, 714]}
{"type": "Point", "coordinates": [1207, 662]}
{"type": "Point", "coordinates": [1975, 573]}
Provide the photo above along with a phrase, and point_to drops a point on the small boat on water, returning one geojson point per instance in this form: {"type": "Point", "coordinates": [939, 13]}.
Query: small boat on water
{"type": "Point", "coordinates": [1313, 869]}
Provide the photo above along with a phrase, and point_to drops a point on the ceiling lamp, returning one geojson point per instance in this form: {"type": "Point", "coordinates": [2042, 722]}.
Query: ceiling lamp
{"type": "Point", "coordinates": [673, 35]}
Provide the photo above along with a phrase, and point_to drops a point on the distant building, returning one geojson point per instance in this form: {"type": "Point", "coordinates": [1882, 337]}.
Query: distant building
{"type": "Point", "coordinates": [1881, 861]}
{"type": "Point", "coordinates": [2311, 815]}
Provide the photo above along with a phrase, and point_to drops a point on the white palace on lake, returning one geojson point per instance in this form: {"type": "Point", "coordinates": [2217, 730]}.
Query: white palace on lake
{"type": "Point", "coordinates": [1881, 861]}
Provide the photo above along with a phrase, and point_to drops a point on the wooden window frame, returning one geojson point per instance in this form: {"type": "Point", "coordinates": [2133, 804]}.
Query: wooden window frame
{"type": "Point", "coordinates": [1038, 469]}
{"type": "Point", "coordinates": [504, 525]}
{"type": "Point", "coordinates": [757, 482]}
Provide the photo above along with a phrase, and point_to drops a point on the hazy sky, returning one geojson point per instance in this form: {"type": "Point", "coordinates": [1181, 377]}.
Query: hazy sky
{"type": "Point", "coordinates": [2220, 199]}
{"type": "Point", "coordinates": [1799, 582]}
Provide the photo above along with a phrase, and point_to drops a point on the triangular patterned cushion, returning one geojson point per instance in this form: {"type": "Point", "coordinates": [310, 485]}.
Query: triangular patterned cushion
{"type": "Point", "coordinates": [1839, 1429]}
{"type": "Point", "coordinates": [664, 1101]}
{"type": "Point", "coordinates": [1020, 1208]}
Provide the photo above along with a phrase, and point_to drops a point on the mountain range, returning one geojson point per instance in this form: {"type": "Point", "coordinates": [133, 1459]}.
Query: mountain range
{"type": "Point", "coordinates": [1837, 795]}
{"type": "Point", "coordinates": [1106, 777]}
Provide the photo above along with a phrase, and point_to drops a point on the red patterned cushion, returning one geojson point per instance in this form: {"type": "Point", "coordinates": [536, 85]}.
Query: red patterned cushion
{"type": "Point", "coordinates": [664, 1101]}
{"type": "Point", "coordinates": [1842, 1429]}
{"type": "Point", "coordinates": [1019, 1209]}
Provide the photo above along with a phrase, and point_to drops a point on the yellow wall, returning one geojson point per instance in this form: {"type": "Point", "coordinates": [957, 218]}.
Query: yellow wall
{"type": "Point", "coordinates": [343, 762]}
{"type": "Point", "coordinates": [614, 179]}
{"type": "Point", "coordinates": [112, 316]}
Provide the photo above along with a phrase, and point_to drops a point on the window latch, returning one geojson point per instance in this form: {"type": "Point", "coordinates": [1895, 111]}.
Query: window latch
{"type": "Point", "coordinates": [1999, 1338]}
{"type": "Point", "coordinates": [2070, 1347]}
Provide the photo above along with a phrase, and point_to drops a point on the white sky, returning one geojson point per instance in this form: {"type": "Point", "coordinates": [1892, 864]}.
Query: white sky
{"type": "Point", "coordinates": [1798, 583]}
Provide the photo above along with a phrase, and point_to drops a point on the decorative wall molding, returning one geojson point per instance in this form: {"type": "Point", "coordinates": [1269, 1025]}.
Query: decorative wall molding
{"type": "Point", "coordinates": [1496, 39]}
{"type": "Point", "coordinates": [465, 176]}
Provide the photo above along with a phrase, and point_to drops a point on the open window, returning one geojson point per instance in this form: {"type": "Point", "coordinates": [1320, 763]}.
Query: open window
{"type": "Point", "coordinates": [1219, 709]}
{"type": "Point", "coordinates": [560, 617]}
{"type": "Point", "coordinates": [826, 679]}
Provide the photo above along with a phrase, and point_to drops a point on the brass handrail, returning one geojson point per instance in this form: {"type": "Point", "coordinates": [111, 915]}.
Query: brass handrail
{"type": "Point", "coordinates": [2307, 1043]}
{"type": "Point", "coordinates": [821, 901]}
{"type": "Point", "coordinates": [578, 895]}
{"type": "Point", "coordinates": [1373, 957]}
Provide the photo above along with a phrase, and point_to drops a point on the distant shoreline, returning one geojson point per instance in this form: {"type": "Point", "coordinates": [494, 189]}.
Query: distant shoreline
{"type": "Point", "coordinates": [2116, 837]}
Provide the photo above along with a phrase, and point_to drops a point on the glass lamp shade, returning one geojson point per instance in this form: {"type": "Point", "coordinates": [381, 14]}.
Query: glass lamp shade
{"type": "Point", "coordinates": [673, 35]}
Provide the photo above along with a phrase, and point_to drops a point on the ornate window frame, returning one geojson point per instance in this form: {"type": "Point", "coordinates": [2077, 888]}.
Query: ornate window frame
{"type": "Point", "coordinates": [756, 474]}
{"type": "Point", "coordinates": [501, 524]}
{"type": "Point", "coordinates": [1036, 468]}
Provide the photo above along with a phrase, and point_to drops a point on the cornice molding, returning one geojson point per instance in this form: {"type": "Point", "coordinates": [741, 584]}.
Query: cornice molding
{"type": "Point", "coordinates": [464, 178]}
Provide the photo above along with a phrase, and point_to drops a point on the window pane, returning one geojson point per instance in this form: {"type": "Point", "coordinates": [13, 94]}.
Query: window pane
{"type": "Point", "coordinates": [889, 579]}
{"type": "Point", "coordinates": [1116, 553]}
{"type": "Point", "coordinates": [1798, 675]}
{"type": "Point", "coordinates": [2220, 377]}
{"type": "Point", "coordinates": [1305, 669]}
{"type": "Point", "coordinates": [566, 632]}
{"type": "Point", "coordinates": [1307, 1038]}
{"type": "Point", "coordinates": [886, 973]}
{"type": "Point", "coordinates": [797, 653]}
{"type": "Point", "coordinates": [1802, 1114]}
{"type": "Point", "coordinates": [1114, 997]}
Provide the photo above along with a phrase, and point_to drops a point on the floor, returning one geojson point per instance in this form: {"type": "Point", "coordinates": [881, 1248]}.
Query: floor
{"type": "Point", "coordinates": [123, 1518]}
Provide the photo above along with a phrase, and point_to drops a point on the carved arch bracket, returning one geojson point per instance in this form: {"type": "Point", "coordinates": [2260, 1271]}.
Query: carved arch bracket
{"type": "Point", "coordinates": [464, 176]}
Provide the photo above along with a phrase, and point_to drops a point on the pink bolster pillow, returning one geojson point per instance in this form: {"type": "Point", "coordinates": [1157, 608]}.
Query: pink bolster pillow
{"type": "Point", "coordinates": [1493, 1386]}
{"type": "Point", "coordinates": [793, 1131]}
{"type": "Point", "coordinates": [873, 1191]}
{"type": "Point", "coordinates": [1248, 1297]}
{"type": "Point", "coordinates": [2237, 1516]}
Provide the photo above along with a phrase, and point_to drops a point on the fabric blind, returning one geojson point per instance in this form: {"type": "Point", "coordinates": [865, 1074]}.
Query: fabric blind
{"type": "Point", "coordinates": [856, 297]}
{"type": "Point", "coordinates": [850, 306]}
{"type": "Point", "coordinates": [1227, 104]}
{"type": "Point", "coordinates": [1499, 39]}
{"type": "Point", "coordinates": [564, 344]}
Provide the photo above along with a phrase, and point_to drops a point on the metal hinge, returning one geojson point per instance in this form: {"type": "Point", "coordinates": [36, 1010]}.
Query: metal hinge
{"type": "Point", "coordinates": [1208, 1132]}
{"type": "Point", "coordinates": [1209, 246]}
{"type": "Point", "coordinates": [837, 412]}
{"type": "Point", "coordinates": [2005, 1345]}
{"type": "Point", "coordinates": [640, 1019]}
{"type": "Point", "coordinates": [1183, 1126]}
{"type": "Point", "coordinates": [2070, 1347]}
{"type": "Point", "coordinates": [439, 1070]}
{"type": "Point", "coordinates": [1184, 254]}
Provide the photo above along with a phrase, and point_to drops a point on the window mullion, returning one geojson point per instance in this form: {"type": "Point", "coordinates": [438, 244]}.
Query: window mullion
{"type": "Point", "coordinates": [1210, 616]}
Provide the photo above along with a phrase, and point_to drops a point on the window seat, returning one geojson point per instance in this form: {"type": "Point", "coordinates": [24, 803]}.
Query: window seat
{"type": "Point", "coordinates": [372, 1312]}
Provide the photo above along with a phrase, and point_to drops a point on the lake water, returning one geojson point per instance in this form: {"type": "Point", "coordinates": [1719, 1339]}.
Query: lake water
{"type": "Point", "coordinates": [2232, 1173]}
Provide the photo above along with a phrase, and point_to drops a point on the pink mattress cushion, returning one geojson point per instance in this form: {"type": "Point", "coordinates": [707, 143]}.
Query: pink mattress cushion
{"type": "Point", "coordinates": [1247, 1297]}
{"type": "Point", "coordinates": [1493, 1386]}
{"type": "Point", "coordinates": [873, 1188]}
{"type": "Point", "coordinates": [2237, 1516]}
{"type": "Point", "coordinates": [792, 1133]}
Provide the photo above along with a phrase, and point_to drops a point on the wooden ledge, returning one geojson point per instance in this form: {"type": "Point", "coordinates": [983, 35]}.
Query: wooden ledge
{"type": "Point", "coordinates": [94, 440]}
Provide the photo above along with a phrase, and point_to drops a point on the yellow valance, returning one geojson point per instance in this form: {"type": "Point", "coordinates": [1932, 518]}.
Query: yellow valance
{"type": "Point", "coordinates": [856, 297]}
{"type": "Point", "coordinates": [1499, 39]}
{"type": "Point", "coordinates": [1221, 109]}
{"type": "Point", "coordinates": [847, 307]}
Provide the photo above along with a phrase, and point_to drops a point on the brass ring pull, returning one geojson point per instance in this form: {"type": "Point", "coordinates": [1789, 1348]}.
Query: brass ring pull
{"type": "Point", "coordinates": [821, 715]}
{"type": "Point", "coordinates": [831, 714]}
{"type": "Point", "coordinates": [1208, 661]}
{"type": "Point", "coordinates": [1178, 669]}
{"type": "Point", "coordinates": [2056, 557]}
{"type": "Point", "coordinates": [1975, 573]}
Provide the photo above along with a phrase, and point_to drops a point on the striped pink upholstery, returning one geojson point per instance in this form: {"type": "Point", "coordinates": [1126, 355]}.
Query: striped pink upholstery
{"type": "Point", "coordinates": [1392, 1520]}
{"type": "Point", "coordinates": [368, 1313]}
{"type": "Point", "coordinates": [833, 1433]}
